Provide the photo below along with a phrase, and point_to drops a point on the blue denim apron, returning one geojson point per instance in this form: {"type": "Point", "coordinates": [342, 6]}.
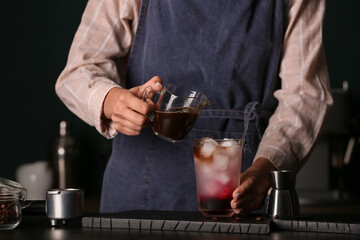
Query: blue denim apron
{"type": "Point", "coordinates": [230, 50]}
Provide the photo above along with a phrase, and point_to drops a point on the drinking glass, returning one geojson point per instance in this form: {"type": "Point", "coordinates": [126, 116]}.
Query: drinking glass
{"type": "Point", "coordinates": [217, 169]}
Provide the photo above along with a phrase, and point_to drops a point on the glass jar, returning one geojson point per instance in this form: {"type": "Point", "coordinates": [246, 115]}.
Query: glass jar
{"type": "Point", "coordinates": [11, 193]}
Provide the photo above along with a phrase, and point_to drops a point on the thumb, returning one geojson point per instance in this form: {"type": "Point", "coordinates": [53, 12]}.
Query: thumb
{"type": "Point", "coordinates": [155, 83]}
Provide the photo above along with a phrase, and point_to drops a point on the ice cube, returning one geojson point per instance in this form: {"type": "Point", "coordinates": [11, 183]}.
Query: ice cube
{"type": "Point", "coordinates": [220, 161]}
{"type": "Point", "coordinates": [233, 148]}
{"type": "Point", "coordinates": [228, 142]}
{"type": "Point", "coordinates": [210, 189]}
{"type": "Point", "coordinates": [207, 139]}
{"type": "Point", "coordinates": [222, 177]}
{"type": "Point", "coordinates": [208, 146]}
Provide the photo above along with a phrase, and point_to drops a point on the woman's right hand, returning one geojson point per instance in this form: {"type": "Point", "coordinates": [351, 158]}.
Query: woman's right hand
{"type": "Point", "coordinates": [126, 109]}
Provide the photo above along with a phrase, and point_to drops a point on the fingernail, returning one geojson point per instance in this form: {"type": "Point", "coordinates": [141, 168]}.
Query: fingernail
{"type": "Point", "coordinates": [236, 196]}
{"type": "Point", "coordinates": [158, 84]}
{"type": "Point", "coordinates": [235, 205]}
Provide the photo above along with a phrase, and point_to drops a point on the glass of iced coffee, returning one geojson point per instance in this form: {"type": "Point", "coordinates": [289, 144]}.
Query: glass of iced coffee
{"type": "Point", "coordinates": [217, 169]}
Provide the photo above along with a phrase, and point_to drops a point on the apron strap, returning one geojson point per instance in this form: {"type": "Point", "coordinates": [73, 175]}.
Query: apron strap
{"type": "Point", "coordinates": [252, 113]}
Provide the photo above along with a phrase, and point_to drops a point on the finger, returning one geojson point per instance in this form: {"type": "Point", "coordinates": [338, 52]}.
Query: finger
{"type": "Point", "coordinates": [253, 196]}
{"type": "Point", "coordinates": [244, 193]}
{"type": "Point", "coordinates": [139, 106]}
{"type": "Point", "coordinates": [127, 131]}
{"type": "Point", "coordinates": [151, 105]}
{"type": "Point", "coordinates": [155, 83]}
{"type": "Point", "coordinates": [235, 204]}
{"type": "Point", "coordinates": [253, 200]}
{"type": "Point", "coordinates": [132, 102]}
{"type": "Point", "coordinates": [127, 127]}
{"type": "Point", "coordinates": [245, 186]}
{"type": "Point", "coordinates": [244, 199]}
{"type": "Point", "coordinates": [130, 119]}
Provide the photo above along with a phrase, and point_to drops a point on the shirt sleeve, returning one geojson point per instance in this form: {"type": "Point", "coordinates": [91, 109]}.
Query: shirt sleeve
{"type": "Point", "coordinates": [304, 97]}
{"type": "Point", "coordinates": [101, 43]}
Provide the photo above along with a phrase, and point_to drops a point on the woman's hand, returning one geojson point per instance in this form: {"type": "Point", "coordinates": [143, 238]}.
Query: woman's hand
{"type": "Point", "coordinates": [126, 108]}
{"type": "Point", "coordinates": [254, 186]}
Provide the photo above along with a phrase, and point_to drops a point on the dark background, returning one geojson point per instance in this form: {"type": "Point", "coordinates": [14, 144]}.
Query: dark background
{"type": "Point", "coordinates": [35, 38]}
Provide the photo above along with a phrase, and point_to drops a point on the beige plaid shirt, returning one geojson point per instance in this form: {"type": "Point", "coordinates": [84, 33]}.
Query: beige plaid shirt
{"type": "Point", "coordinates": [106, 34]}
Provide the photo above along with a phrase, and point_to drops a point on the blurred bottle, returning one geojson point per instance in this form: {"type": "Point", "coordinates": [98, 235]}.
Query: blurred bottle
{"type": "Point", "coordinates": [64, 158]}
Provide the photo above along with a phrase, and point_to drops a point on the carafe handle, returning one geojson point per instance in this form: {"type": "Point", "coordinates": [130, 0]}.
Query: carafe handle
{"type": "Point", "coordinates": [149, 93]}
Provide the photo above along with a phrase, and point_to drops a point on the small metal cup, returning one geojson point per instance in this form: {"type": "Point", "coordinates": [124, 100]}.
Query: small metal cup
{"type": "Point", "coordinates": [64, 204]}
{"type": "Point", "coordinates": [281, 203]}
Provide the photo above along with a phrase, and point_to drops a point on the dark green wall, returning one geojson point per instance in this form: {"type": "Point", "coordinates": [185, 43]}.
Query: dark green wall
{"type": "Point", "coordinates": [341, 36]}
{"type": "Point", "coordinates": [35, 37]}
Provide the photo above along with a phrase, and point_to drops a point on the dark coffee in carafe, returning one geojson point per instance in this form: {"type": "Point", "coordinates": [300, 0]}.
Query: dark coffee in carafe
{"type": "Point", "coordinates": [175, 123]}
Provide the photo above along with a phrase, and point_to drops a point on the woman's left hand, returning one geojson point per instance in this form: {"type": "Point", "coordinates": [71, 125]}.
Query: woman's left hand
{"type": "Point", "coordinates": [254, 186]}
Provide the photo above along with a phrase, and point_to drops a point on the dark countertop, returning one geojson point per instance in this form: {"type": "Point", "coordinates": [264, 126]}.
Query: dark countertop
{"type": "Point", "coordinates": [38, 227]}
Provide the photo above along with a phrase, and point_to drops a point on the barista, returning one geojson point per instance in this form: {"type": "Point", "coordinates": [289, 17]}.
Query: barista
{"type": "Point", "coordinates": [260, 63]}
